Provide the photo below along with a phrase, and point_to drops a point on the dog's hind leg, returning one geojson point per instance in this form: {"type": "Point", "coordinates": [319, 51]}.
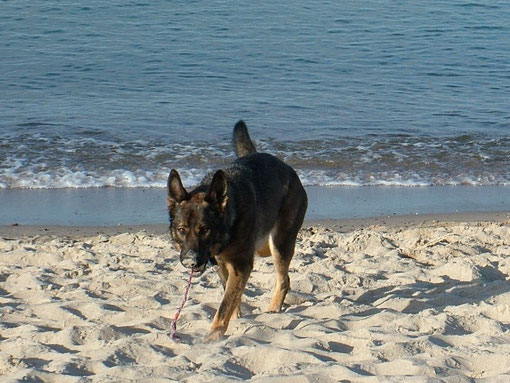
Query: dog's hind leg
{"type": "Point", "coordinates": [282, 254]}
{"type": "Point", "coordinates": [282, 241]}
{"type": "Point", "coordinates": [222, 273]}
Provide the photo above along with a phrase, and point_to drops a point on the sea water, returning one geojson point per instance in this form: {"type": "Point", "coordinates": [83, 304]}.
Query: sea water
{"type": "Point", "coordinates": [117, 93]}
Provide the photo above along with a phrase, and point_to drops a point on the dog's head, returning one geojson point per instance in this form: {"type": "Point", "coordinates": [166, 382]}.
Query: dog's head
{"type": "Point", "coordinates": [196, 219]}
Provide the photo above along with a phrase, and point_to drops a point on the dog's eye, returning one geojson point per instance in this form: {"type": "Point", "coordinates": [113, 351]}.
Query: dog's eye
{"type": "Point", "coordinates": [203, 230]}
{"type": "Point", "coordinates": [181, 230]}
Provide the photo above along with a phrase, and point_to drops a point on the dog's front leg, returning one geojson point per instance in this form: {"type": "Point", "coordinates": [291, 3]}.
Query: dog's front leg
{"type": "Point", "coordinates": [223, 274]}
{"type": "Point", "coordinates": [234, 288]}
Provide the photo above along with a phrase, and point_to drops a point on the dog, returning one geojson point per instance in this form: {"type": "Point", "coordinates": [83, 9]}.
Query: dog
{"type": "Point", "coordinates": [256, 205]}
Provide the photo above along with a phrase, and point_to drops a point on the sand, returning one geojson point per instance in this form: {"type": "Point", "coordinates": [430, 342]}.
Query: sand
{"type": "Point", "coordinates": [388, 300]}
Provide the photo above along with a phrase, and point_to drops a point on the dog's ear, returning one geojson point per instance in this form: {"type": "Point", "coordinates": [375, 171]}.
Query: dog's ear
{"type": "Point", "coordinates": [217, 193]}
{"type": "Point", "coordinates": [176, 192]}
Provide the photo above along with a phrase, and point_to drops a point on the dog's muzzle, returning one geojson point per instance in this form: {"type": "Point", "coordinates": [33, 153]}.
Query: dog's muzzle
{"type": "Point", "coordinates": [193, 260]}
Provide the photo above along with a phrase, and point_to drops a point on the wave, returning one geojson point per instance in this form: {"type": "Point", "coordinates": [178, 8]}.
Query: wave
{"type": "Point", "coordinates": [65, 178]}
{"type": "Point", "coordinates": [57, 161]}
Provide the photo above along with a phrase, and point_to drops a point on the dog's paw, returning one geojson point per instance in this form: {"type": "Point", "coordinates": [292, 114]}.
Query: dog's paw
{"type": "Point", "coordinates": [215, 335]}
{"type": "Point", "coordinates": [274, 308]}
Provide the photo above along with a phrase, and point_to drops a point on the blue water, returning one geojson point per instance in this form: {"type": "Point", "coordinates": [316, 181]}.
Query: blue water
{"type": "Point", "coordinates": [116, 93]}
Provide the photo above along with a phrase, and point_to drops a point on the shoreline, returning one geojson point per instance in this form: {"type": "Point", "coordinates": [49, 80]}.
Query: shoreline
{"type": "Point", "coordinates": [135, 206]}
{"type": "Point", "coordinates": [344, 225]}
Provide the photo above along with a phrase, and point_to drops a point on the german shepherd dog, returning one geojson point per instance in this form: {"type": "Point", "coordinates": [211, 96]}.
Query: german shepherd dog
{"type": "Point", "coordinates": [256, 205]}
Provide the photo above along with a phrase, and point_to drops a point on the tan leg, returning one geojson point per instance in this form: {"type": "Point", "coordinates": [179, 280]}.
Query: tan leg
{"type": "Point", "coordinates": [281, 264]}
{"type": "Point", "coordinates": [282, 241]}
{"type": "Point", "coordinates": [223, 273]}
{"type": "Point", "coordinates": [234, 288]}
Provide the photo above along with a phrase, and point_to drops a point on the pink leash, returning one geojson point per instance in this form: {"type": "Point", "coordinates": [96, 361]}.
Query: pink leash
{"type": "Point", "coordinates": [173, 331]}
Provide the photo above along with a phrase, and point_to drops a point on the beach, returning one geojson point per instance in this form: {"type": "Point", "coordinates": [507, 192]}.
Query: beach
{"type": "Point", "coordinates": [401, 298]}
{"type": "Point", "coordinates": [395, 119]}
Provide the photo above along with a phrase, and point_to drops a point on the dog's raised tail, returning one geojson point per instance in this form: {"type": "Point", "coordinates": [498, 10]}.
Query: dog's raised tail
{"type": "Point", "coordinates": [242, 141]}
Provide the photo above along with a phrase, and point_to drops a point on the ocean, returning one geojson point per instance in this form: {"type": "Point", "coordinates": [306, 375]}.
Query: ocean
{"type": "Point", "coordinates": [98, 94]}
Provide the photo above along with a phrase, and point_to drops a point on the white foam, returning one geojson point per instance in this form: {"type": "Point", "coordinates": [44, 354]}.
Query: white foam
{"type": "Point", "coordinates": [40, 177]}
{"type": "Point", "coordinates": [57, 162]}
{"type": "Point", "coordinates": [332, 178]}
{"type": "Point", "coordinates": [66, 178]}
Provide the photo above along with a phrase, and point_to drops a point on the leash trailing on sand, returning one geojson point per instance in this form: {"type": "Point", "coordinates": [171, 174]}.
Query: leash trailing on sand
{"type": "Point", "coordinates": [173, 330]}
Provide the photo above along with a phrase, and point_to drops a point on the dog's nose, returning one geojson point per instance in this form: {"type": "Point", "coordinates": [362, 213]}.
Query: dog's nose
{"type": "Point", "coordinates": [190, 259]}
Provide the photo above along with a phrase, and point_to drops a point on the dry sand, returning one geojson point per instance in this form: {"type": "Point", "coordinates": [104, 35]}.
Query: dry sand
{"type": "Point", "coordinates": [387, 300]}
